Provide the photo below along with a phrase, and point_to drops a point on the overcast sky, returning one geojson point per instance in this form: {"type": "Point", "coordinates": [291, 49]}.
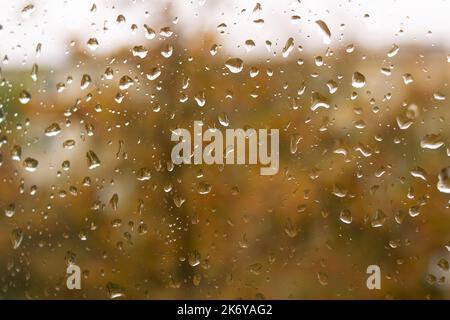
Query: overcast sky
{"type": "Point", "coordinates": [366, 23]}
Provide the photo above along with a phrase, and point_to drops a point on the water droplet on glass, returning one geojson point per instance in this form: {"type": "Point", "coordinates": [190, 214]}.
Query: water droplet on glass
{"type": "Point", "coordinates": [125, 82]}
{"type": "Point", "coordinates": [30, 164]}
{"type": "Point", "coordinates": [167, 51]}
{"type": "Point", "coordinates": [92, 44]}
{"type": "Point", "coordinates": [69, 144]}
{"type": "Point", "coordinates": [144, 174]}
{"type": "Point", "coordinates": [325, 31]}
{"type": "Point", "coordinates": [24, 97]}
{"type": "Point", "coordinates": [10, 210]}
{"type": "Point", "coordinates": [154, 73]}
{"type": "Point", "coordinates": [235, 65]}
{"type": "Point", "coordinates": [139, 51]}
{"type": "Point", "coordinates": [149, 32]}
{"type": "Point", "coordinates": [358, 80]}
{"type": "Point", "coordinates": [432, 141]}
{"type": "Point", "coordinates": [223, 119]}
{"type": "Point", "coordinates": [16, 238]}
{"type": "Point", "coordinates": [92, 160]}
{"type": "Point", "coordinates": [34, 72]}
{"type": "Point", "coordinates": [393, 51]}
{"type": "Point", "coordinates": [114, 201]}
{"type": "Point", "coordinates": [200, 98]}
{"type": "Point", "coordinates": [407, 78]}
{"type": "Point", "coordinates": [203, 188]}
{"type": "Point", "coordinates": [114, 291]}
{"type": "Point", "coordinates": [213, 50]}
{"type": "Point", "coordinates": [443, 184]}
{"type": "Point", "coordinates": [85, 81]}
{"type": "Point", "coordinates": [438, 96]}
{"type": "Point", "coordinates": [346, 216]}
{"type": "Point", "coordinates": [27, 10]}
{"type": "Point", "coordinates": [52, 130]}
{"type": "Point", "coordinates": [288, 47]}
{"type": "Point", "coordinates": [319, 101]}
{"type": "Point", "coordinates": [295, 19]}
{"type": "Point", "coordinates": [194, 258]}
{"type": "Point", "coordinates": [249, 45]}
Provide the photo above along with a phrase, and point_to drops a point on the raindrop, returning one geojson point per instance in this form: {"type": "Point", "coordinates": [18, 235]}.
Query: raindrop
{"type": "Point", "coordinates": [34, 72]}
{"type": "Point", "coordinates": [438, 96]}
{"type": "Point", "coordinates": [223, 119]}
{"type": "Point", "coordinates": [346, 216]}
{"type": "Point", "coordinates": [144, 174]}
{"type": "Point", "coordinates": [24, 97]}
{"type": "Point", "coordinates": [325, 31]}
{"type": "Point", "coordinates": [194, 258]}
{"type": "Point", "coordinates": [85, 81]}
{"type": "Point", "coordinates": [125, 82]}
{"type": "Point", "coordinates": [443, 184]}
{"type": "Point", "coordinates": [92, 44]}
{"type": "Point", "coordinates": [10, 210]}
{"type": "Point", "coordinates": [295, 19]}
{"type": "Point", "coordinates": [432, 141]}
{"type": "Point", "coordinates": [52, 130]}
{"type": "Point", "coordinates": [27, 11]}
{"type": "Point", "coordinates": [200, 98]}
{"type": "Point", "coordinates": [407, 78]}
{"type": "Point", "coordinates": [319, 101]}
{"type": "Point", "coordinates": [139, 51]}
{"type": "Point", "coordinates": [92, 160]}
{"type": "Point", "coordinates": [114, 201]}
{"type": "Point", "coordinates": [16, 238]}
{"type": "Point", "coordinates": [149, 32]}
{"type": "Point", "coordinates": [358, 80]}
{"type": "Point", "coordinates": [203, 188]}
{"type": "Point", "coordinates": [114, 291]}
{"type": "Point", "coordinates": [16, 153]}
{"type": "Point", "coordinates": [249, 45]}
{"type": "Point", "coordinates": [30, 164]}
{"type": "Point", "coordinates": [154, 73]}
{"type": "Point", "coordinates": [167, 51]}
{"type": "Point", "coordinates": [69, 144]}
{"type": "Point", "coordinates": [235, 65]}
{"type": "Point", "coordinates": [288, 47]}
{"type": "Point", "coordinates": [393, 51]}
{"type": "Point", "coordinates": [213, 50]}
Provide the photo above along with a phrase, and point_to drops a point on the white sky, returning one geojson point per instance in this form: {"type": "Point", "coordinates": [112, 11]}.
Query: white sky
{"type": "Point", "coordinates": [55, 22]}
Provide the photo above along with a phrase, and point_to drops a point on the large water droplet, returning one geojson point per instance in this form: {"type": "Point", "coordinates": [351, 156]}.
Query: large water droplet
{"type": "Point", "coordinates": [432, 141]}
{"type": "Point", "coordinates": [325, 31]}
{"type": "Point", "coordinates": [16, 238]}
{"type": "Point", "coordinates": [235, 65]}
{"type": "Point", "coordinates": [358, 80]}
{"type": "Point", "coordinates": [24, 97]}
{"type": "Point", "coordinates": [319, 101]}
{"type": "Point", "coordinates": [92, 44]}
{"type": "Point", "coordinates": [443, 184]}
{"type": "Point", "coordinates": [346, 216]}
{"type": "Point", "coordinates": [92, 160]}
{"type": "Point", "coordinates": [27, 10]}
{"type": "Point", "coordinates": [52, 130]}
{"type": "Point", "coordinates": [30, 164]}
{"type": "Point", "coordinates": [139, 51]}
{"type": "Point", "coordinates": [288, 47]}
{"type": "Point", "coordinates": [154, 73]}
{"type": "Point", "coordinates": [125, 82]}
{"type": "Point", "coordinates": [85, 81]}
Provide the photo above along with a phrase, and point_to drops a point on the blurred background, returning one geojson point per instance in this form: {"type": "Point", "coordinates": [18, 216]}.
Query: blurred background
{"type": "Point", "coordinates": [89, 94]}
